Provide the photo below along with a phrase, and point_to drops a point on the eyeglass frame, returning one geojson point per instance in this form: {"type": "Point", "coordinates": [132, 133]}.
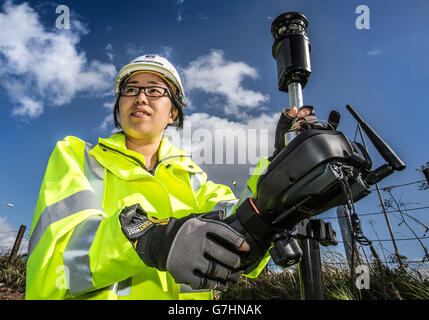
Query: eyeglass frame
{"type": "Point", "coordinates": [166, 91]}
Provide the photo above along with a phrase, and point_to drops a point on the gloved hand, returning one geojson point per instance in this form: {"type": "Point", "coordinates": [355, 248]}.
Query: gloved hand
{"type": "Point", "coordinates": [289, 118]}
{"type": "Point", "coordinates": [258, 233]}
{"type": "Point", "coordinates": [198, 250]}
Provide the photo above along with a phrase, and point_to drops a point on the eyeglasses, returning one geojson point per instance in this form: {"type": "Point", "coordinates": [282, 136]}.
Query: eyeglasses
{"type": "Point", "coordinates": [152, 91]}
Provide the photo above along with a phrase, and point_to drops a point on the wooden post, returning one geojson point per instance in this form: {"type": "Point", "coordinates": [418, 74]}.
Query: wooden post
{"type": "Point", "coordinates": [398, 256]}
{"type": "Point", "coordinates": [346, 230]}
{"type": "Point", "coordinates": [426, 173]}
{"type": "Point", "coordinates": [17, 243]}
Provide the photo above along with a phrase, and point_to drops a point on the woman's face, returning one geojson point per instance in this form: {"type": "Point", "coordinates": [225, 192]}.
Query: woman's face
{"type": "Point", "coordinates": [143, 117]}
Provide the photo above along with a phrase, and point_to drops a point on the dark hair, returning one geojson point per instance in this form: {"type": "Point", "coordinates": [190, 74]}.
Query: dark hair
{"type": "Point", "coordinates": [175, 101]}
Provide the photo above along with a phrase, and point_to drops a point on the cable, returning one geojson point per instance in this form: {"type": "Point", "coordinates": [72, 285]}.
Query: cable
{"type": "Point", "coordinates": [380, 212]}
{"type": "Point", "coordinates": [400, 185]}
{"type": "Point", "coordinates": [386, 262]}
{"type": "Point", "coordinates": [403, 239]}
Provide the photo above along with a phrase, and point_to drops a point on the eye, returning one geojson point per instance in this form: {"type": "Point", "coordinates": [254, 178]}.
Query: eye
{"type": "Point", "coordinates": [156, 91]}
{"type": "Point", "coordinates": [129, 90]}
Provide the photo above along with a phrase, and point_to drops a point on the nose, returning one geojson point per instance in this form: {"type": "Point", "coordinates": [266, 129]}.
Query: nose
{"type": "Point", "coordinates": [141, 98]}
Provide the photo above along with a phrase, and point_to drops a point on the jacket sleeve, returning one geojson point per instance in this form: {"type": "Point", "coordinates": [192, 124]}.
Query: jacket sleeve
{"type": "Point", "coordinates": [250, 191]}
{"type": "Point", "coordinates": [74, 246]}
{"type": "Point", "coordinates": [212, 196]}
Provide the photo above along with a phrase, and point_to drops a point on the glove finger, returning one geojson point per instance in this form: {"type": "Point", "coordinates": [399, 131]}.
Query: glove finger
{"type": "Point", "coordinates": [212, 284]}
{"type": "Point", "coordinates": [225, 232]}
{"type": "Point", "coordinates": [193, 279]}
{"type": "Point", "coordinates": [219, 272]}
{"type": "Point", "coordinates": [235, 276]}
{"type": "Point", "coordinates": [198, 282]}
{"type": "Point", "coordinates": [213, 215]}
{"type": "Point", "coordinates": [222, 255]}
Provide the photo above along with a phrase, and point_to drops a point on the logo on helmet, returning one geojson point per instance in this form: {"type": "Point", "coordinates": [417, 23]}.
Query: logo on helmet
{"type": "Point", "coordinates": [149, 61]}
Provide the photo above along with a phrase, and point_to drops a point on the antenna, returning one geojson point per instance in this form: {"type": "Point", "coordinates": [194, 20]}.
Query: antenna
{"type": "Point", "coordinates": [382, 147]}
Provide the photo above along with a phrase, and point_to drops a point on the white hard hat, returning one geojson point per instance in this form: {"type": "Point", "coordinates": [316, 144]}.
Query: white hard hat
{"type": "Point", "coordinates": [153, 63]}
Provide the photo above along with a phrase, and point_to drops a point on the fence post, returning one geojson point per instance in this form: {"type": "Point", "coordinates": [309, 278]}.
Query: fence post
{"type": "Point", "coordinates": [343, 216]}
{"type": "Point", "coordinates": [17, 243]}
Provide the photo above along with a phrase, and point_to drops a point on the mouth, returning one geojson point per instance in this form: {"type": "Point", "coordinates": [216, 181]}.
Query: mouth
{"type": "Point", "coordinates": [140, 114]}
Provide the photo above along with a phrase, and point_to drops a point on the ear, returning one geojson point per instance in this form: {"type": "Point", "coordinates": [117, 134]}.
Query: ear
{"type": "Point", "coordinates": [173, 115]}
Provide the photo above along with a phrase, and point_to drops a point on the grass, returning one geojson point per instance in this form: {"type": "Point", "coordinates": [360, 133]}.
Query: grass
{"type": "Point", "coordinates": [12, 276]}
{"type": "Point", "coordinates": [385, 283]}
{"type": "Point", "coordinates": [12, 273]}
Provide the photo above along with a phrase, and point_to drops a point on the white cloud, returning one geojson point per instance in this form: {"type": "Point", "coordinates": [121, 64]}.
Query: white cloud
{"type": "Point", "coordinates": [46, 63]}
{"type": "Point", "coordinates": [231, 154]}
{"type": "Point", "coordinates": [222, 78]}
{"type": "Point", "coordinates": [8, 237]}
{"type": "Point", "coordinates": [180, 11]}
{"type": "Point", "coordinates": [214, 140]}
{"type": "Point", "coordinates": [28, 108]}
{"type": "Point", "coordinates": [166, 52]}
{"type": "Point", "coordinates": [109, 51]}
{"type": "Point", "coordinates": [133, 51]}
{"type": "Point", "coordinates": [109, 105]}
{"type": "Point", "coordinates": [107, 123]}
{"type": "Point", "coordinates": [374, 52]}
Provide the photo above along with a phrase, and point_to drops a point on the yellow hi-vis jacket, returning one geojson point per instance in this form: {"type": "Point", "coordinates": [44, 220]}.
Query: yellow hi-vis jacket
{"type": "Point", "coordinates": [77, 249]}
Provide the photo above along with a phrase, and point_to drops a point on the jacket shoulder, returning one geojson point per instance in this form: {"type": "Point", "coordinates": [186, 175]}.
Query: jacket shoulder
{"type": "Point", "coordinates": [181, 157]}
{"type": "Point", "coordinates": [71, 145]}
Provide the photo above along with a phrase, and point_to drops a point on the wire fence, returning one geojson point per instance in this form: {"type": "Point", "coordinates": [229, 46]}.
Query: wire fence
{"type": "Point", "coordinates": [374, 263]}
{"type": "Point", "coordinates": [379, 212]}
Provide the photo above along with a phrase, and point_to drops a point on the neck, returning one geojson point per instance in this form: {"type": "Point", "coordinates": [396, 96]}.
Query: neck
{"type": "Point", "coordinates": [149, 149]}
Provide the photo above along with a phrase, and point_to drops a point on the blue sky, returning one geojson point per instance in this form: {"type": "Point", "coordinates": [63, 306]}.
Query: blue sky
{"type": "Point", "coordinates": [57, 82]}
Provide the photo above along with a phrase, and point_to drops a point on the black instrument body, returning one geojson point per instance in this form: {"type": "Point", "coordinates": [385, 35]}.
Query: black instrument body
{"type": "Point", "coordinates": [306, 177]}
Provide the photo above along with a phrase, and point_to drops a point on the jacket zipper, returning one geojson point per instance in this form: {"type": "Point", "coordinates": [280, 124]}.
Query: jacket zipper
{"type": "Point", "coordinates": [152, 172]}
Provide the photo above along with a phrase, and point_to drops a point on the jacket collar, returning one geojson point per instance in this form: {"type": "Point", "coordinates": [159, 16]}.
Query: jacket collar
{"type": "Point", "coordinates": [166, 149]}
{"type": "Point", "coordinates": [128, 170]}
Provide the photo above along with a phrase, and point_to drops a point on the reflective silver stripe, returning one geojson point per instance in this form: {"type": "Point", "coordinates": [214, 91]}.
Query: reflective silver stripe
{"type": "Point", "coordinates": [76, 257]}
{"type": "Point", "coordinates": [227, 206]}
{"type": "Point", "coordinates": [113, 287]}
{"type": "Point", "coordinates": [77, 202]}
{"type": "Point", "coordinates": [196, 180]}
{"type": "Point", "coordinates": [246, 193]}
{"type": "Point", "coordinates": [94, 172]}
{"type": "Point", "coordinates": [124, 288]}
{"type": "Point", "coordinates": [121, 289]}
{"type": "Point", "coordinates": [184, 288]}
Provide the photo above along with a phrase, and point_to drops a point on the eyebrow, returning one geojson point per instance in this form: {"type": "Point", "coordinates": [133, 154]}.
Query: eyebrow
{"type": "Point", "coordinates": [150, 82]}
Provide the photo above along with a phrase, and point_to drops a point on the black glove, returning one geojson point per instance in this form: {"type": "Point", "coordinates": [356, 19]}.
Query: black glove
{"type": "Point", "coordinates": [198, 250]}
{"type": "Point", "coordinates": [258, 233]}
{"type": "Point", "coordinates": [284, 125]}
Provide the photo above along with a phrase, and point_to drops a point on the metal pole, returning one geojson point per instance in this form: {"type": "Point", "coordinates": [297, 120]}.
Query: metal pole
{"type": "Point", "coordinates": [234, 183]}
{"type": "Point", "coordinates": [295, 95]}
{"type": "Point", "coordinates": [17, 243]}
{"type": "Point", "coordinates": [310, 266]}
{"type": "Point", "coordinates": [310, 271]}
{"type": "Point", "coordinates": [295, 101]}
